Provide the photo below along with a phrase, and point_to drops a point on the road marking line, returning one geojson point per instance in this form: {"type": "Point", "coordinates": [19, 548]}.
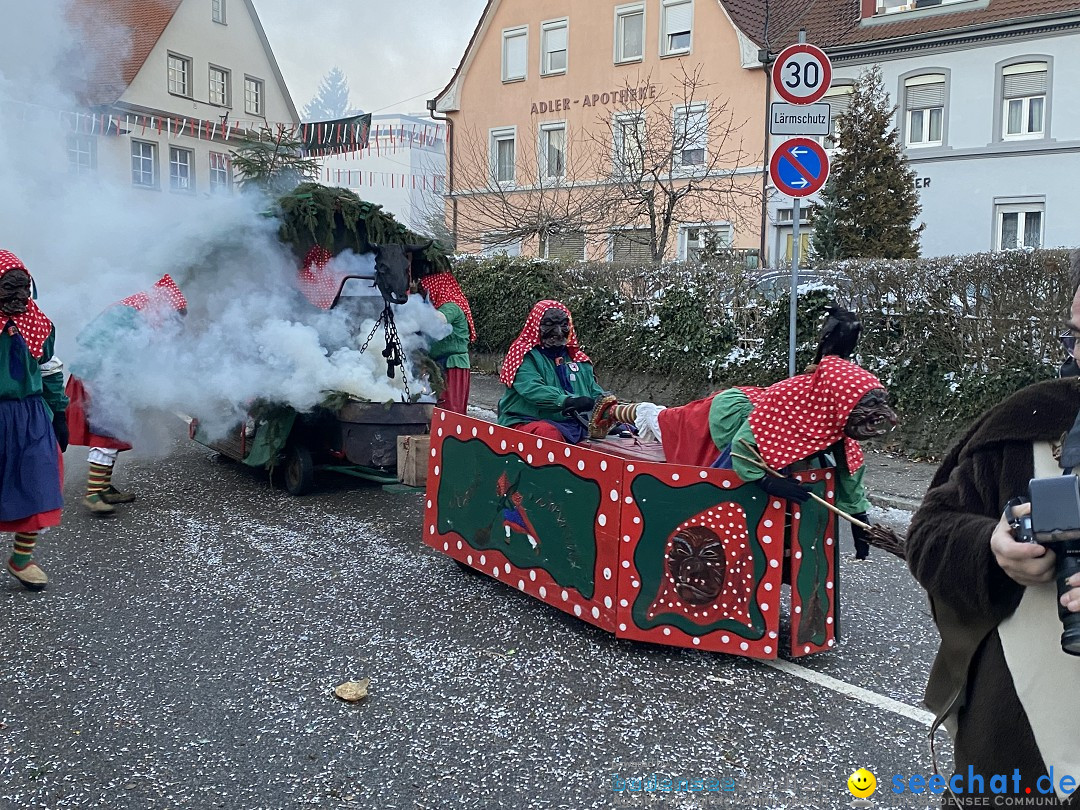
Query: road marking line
{"type": "Point", "coordinates": [865, 695]}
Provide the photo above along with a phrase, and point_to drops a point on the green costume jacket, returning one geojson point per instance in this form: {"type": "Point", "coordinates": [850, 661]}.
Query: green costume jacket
{"type": "Point", "coordinates": [40, 378]}
{"type": "Point", "coordinates": [537, 394]}
{"type": "Point", "coordinates": [453, 350]}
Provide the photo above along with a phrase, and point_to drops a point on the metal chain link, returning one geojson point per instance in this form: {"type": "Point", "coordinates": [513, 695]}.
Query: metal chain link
{"type": "Point", "coordinates": [394, 353]}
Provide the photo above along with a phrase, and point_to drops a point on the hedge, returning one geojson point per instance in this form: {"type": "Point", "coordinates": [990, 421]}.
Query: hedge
{"type": "Point", "coordinates": [948, 336]}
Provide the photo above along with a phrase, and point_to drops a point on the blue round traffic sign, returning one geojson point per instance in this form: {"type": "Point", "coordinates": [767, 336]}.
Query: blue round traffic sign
{"type": "Point", "coordinates": [799, 167]}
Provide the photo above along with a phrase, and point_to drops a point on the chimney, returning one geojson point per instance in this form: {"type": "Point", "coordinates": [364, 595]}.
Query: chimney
{"type": "Point", "coordinates": [867, 9]}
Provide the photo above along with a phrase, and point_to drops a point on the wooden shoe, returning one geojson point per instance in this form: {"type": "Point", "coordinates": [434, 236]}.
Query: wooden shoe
{"type": "Point", "coordinates": [31, 576]}
{"type": "Point", "coordinates": [112, 495]}
{"type": "Point", "coordinates": [97, 505]}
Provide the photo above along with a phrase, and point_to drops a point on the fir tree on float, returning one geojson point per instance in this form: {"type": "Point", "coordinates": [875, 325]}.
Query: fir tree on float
{"type": "Point", "coordinates": [869, 205]}
{"type": "Point", "coordinates": [272, 161]}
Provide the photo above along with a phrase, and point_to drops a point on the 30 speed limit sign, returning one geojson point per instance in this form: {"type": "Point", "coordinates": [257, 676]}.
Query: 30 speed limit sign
{"type": "Point", "coordinates": [802, 73]}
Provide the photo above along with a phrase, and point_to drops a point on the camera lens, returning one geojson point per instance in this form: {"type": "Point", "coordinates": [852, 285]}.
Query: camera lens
{"type": "Point", "coordinates": [1070, 640]}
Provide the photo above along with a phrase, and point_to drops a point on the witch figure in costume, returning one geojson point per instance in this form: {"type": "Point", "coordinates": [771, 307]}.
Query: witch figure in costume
{"type": "Point", "coordinates": [452, 352]}
{"type": "Point", "coordinates": [33, 426]}
{"type": "Point", "coordinates": [91, 421]}
{"type": "Point", "coordinates": [548, 377]}
{"type": "Point", "coordinates": [790, 424]}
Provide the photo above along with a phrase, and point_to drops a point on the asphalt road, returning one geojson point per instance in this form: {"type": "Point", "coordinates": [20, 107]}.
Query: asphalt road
{"type": "Point", "coordinates": [186, 653]}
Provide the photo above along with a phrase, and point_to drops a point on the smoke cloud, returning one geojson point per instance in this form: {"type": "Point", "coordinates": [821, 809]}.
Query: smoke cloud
{"type": "Point", "coordinates": [90, 241]}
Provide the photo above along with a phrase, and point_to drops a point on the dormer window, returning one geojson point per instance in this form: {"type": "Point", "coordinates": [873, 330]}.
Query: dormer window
{"type": "Point", "coordinates": [882, 8]}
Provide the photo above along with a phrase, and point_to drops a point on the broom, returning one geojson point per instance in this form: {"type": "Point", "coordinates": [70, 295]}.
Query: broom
{"type": "Point", "coordinates": [879, 536]}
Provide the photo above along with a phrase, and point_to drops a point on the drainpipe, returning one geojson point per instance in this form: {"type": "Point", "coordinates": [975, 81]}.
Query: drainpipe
{"type": "Point", "coordinates": [764, 56]}
{"type": "Point", "coordinates": [449, 168]}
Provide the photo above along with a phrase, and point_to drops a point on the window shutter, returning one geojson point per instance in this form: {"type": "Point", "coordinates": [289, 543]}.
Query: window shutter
{"type": "Point", "coordinates": [1030, 82]}
{"type": "Point", "coordinates": [555, 39]}
{"type": "Point", "coordinates": [677, 18]}
{"type": "Point", "coordinates": [569, 246]}
{"type": "Point", "coordinates": [515, 56]}
{"type": "Point", "coordinates": [923, 96]}
{"type": "Point", "coordinates": [631, 246]}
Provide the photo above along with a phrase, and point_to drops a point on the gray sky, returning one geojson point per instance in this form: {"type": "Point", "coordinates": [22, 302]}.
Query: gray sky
{"type": "Point", "coordinates": [395, 53]}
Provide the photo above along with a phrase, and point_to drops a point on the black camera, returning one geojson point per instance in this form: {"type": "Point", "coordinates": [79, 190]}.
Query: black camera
{"type": "Point", "coordinates": [1054, 522]}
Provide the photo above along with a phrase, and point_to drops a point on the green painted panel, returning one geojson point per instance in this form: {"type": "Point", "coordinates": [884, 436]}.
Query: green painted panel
{"type": "Point", "coordinates": [539, 517]}
{"type": "Point", "coordinates": [813, 572]}
{"type": "Point", "coordinates": [663, 509]}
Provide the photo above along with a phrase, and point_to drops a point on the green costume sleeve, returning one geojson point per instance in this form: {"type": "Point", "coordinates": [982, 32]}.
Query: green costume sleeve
{"type": "Point", "coordinates": [453, 350]}
{"type": "Point", "coordinates": [850, 492]}
{"type": "Point", "coordinates": [52, 377]}
{"type": "Point", "coordinates": [744, 469]}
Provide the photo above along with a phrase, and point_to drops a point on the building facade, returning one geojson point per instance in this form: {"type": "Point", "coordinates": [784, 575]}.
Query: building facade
{"type": "Point", "coordinates": [628, 131]}
{"type": "Point", "coordinates": [403, 169]}
{"type": "Point", "coordinates": [981, 89]}
{"type": "Point", "coordinates": [549, 92]}
{"type": "Point", "coordinates": [173, 85]}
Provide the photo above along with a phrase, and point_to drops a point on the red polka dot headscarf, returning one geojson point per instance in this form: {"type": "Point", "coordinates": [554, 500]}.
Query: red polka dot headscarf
{"type": "Point", "coordinates": [164, 294]}
{"type": "Point", "coordinates": [319, 284]}
{"type": "Point", "coordinates": [721, 539]}
{"type": "Point", "coordinates": [443, 287]}
{"type": "Point", "coordinates": [529, 339]}
{"type": "Point", "coordinates": [34, 327]}
{"type": "Point", "coordinates": [806, 414]}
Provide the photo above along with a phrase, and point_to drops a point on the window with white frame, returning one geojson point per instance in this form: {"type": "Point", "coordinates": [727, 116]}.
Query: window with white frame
{"type": "Point", "coordinates": [553, 47]}
{"type": "Point", "coordinates": [630, 33]}
{"type": "Point", "coordinates": [1023, 89]}
{"type": "Point", "coordinates": [924, 100]}
{"type": "Point", "coordinates": [181, 177]}
{"type": "Point", "coordinates": [565, 246]}
{"type": "Point", "coordinates": [691, 135]}
{"type": "Point", "coordinates": [220, 175]}
{"type": "Point", "coordinates": [631, 246]}
{"type": "Point", "coordinates": [253, 95]}
{"type": "Point", "coordinates": [504, 155]}
{"type": "Point", "coordinates": [218, 7]}
{"type": "Point", "coordinates": [839, 100]}
{"type": "Point", "coordinates": [515, 54]}
{"type": "Point", "coordinates": [1020, 225]}
{"type": "Point", "coordinates": [219, 86]}
{"type": "Point", "coordinates": [695, 239]}
{"type": "Point", "coordinates": [676, 25]}
{"type": "Point", "coordinates": [553, 150]}
{"type": "Point", "coordinates": [143, 163]}
{"type": "Point", "coordinates": [82, 154]}
{"type": "Point", "coordinates": [629, 144]}
{"type": "Point", "coordinates": [179, 75]}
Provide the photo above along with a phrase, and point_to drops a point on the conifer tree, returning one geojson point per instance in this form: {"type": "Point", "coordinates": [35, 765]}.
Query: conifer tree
{"type": "Point", "coordinates": [272, 161]}
{"type": "Point", "coordinates": [332, 99]}
{"type": "Point", "coordinates": [870, 204]}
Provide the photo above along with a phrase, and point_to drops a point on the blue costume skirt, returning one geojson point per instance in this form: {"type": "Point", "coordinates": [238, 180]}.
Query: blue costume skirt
{"type": "Point", "coordinates": [31, 481]}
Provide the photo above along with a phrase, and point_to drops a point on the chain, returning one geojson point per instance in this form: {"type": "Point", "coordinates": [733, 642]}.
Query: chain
{"type": "Point", "coordinates": [393, 351]}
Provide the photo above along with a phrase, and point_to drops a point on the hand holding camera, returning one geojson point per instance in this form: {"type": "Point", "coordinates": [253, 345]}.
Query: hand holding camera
{"type": "Point", "coordinates": [1050, 522]}
{"type": "Point", "coordinates": [1025, 561]}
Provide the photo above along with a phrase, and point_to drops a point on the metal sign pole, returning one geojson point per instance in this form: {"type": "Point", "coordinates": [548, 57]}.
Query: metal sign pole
{"type": "Point", "coordinates": [793, 308]}
{"type": "Point", "coordinates": [793, 304]}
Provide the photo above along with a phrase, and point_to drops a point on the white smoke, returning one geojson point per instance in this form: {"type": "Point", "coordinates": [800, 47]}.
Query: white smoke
{"type": "Point", "coordinates": [88, 242]}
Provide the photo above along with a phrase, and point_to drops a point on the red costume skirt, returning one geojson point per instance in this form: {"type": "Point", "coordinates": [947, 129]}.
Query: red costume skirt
{"type": "Point", "coordinates": [78, 419]}
{"type": "Point", "coordinates": [686, 435]}
{"type": "Point", "coordinates": [455, 397]}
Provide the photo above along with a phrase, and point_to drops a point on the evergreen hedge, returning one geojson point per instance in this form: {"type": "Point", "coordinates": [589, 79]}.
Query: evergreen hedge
{"type": "Point", "coordinates": [948, 336]}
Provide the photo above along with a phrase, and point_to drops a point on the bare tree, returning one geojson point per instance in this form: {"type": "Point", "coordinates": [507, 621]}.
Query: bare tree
{"type": "Point", "coordinates": [673, 155]}
{"type": "Point", "coordinates": [523, 185]}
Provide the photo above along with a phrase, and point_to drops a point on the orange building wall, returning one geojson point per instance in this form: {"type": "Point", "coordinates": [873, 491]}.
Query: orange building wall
{"type": "Point", "coordinates": [577, 97]}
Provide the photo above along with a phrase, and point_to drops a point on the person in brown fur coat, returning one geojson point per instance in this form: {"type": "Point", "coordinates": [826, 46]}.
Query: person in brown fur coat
{"type": "Point", "coordinates": [1001, 684]}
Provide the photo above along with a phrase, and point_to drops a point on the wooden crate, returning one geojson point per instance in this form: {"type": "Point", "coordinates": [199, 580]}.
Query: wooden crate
{"type": "Point", "coordinates": [412, 459]}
